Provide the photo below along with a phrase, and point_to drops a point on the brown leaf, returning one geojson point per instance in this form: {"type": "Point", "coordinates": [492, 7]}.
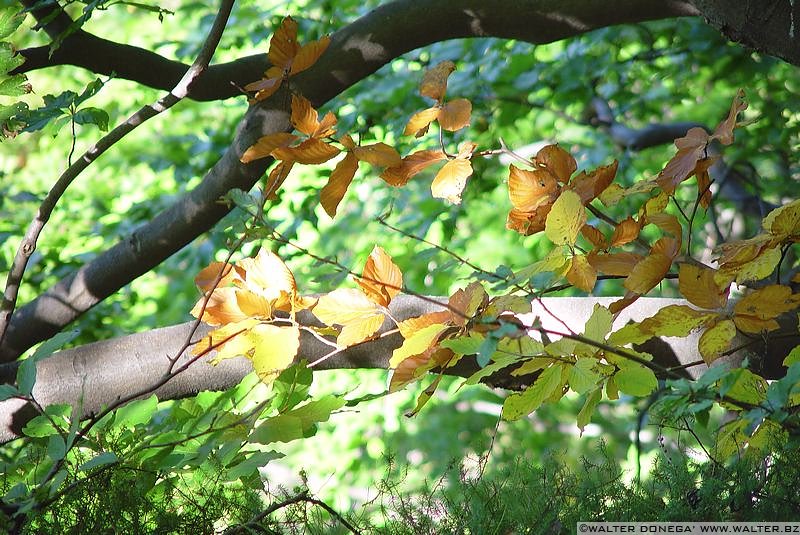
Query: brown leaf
{"type": "Point", "coordinates": [588, 186]}
{"type": "Point", "coordinates": [308, 54]}
{"type": "Point", "coordinates": [341, 177]}
{"type": "Point", "coordinates": [557, 161]}
{"type": "Point", "coordinates": [698, 285]}
{"type": "Point", "coordinates": [266, 145]}
{"type": "Point", "coordinates": [724, 130]}
{"type": "Point", "coordinates": [283, 46]}
{"type": "Point", "coordinates": [455, 115]}
{"type": "Point", "coordinates": [625, 232]}
{"type": "Point", "coordinates": [411, 165]}
{"type": "Point", "coordinates": [581, 274]}
{"type": "Point", "coordinates": [617, 264]}
{"type": "Point", "coordinates": [649, 272]}
{"type": "Point", "coordinates": [420, 121]}
{"type": "Point", "coordinates": [434, 82]}
{"type": "Point", "coordinates": [312, 151]}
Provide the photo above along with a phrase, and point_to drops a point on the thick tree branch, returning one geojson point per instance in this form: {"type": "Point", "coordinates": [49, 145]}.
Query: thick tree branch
{"type": "Point", "coordinates": [355, 52]}
{"type": "Point", "coordinates": [96, 375]}
{"type": "Point", "coordinates": [394, 28]}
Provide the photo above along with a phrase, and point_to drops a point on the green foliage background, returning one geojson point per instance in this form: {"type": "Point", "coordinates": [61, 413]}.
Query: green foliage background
{"type": "Point", "coordinates": [524, 94]}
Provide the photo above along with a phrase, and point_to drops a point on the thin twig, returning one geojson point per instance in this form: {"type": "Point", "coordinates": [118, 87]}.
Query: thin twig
{"type": "Point", "coordinates": [181, 90]}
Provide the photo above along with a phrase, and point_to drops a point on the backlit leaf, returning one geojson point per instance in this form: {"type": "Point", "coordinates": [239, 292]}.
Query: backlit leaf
{"type": "Point", "coordinates": [582, 376]}
{"type": "Point", "coordinates": [420, 121]}
{"type": "Point", "coordinates": [521, 404]}
{"type": "Point", "coordinates": [378, 154]}
{"type": "Point", "coordinates": [418, 343]}
{"type": "Point", "coordinates": [283, 46]}
{"type": "Point", "coordinates": [312, 151]}
{"type": "Point", "coordinates": [557, 161]}
{"type": "Point", "coordinates": [636, 380]}
{"type": "Point", "coordinates": [206, 279]}
{"type": "Point", "coordinates": [359, 316]}
{"type": "Point", "coordinates": [581, 274]}
{"type": "Point", "coordinates": [341, 177]}
{"type": "Point", "coordinates": [649, 272]}
{"type": "Point", "coordinates": [565, 220]}
{"type": "Point", "coordinates": [381, 279]}
{"type": "Point", "coordinates": [297, 423]}
{"type": "Point", "coordinates": [716, 340]}
{"type": "Point", "coordinates": [451, 179]}
{"type": "Point", "coordinates": [266, 144]}
{"type": "Point", "coordinates": [308, 54]}
{"type": "Point", "coordinates": [590, 185]}
{"type": "Point", "coordinates": [529, 190]}
{"type": "Point", "coordinates": [274, 349]}
{"type": "Point", "coordinates": [455, 115]}
{"type": "Point", "coordinates": [434, 82]}
{"type": "Point", "coordinates": [411, 165]}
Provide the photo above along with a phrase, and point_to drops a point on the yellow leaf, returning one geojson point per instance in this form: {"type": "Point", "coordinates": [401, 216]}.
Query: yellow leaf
{"type": "Point", "coordinates": [420, 121]}
{"type": "Point", "coordinates": [557, 161]}
{"type": "Point", "coordinates": [414, 367]}
{"type": "Point", "coordinates": [381, 279]}
{"type": "Point", "coordinates": [273, 349]}
{"type": "Point", "coordinates": [206, 279]}
{"type": "Point", "coordinates": [612, 195]}
{"type": "Point", "coordinates": [581, 274]}
{"type": "Point", "coordinates": [268, 275]}
{"type": "Point", "coordinates": [217, 339]}
{"type": "Point", "coordinates": [528, 190]}
{"type": "Point", "coordinates": [410, 166]}
{"type": "Point", "coordinates": [466, 302]}
{"type": "Point", "coordinates": [716, 340]}
{"type": "Point", "coordinates": [698, 285]}
{"type": "Point", "coordinates": [666, 222]}
{"type": "Point", "coordinates": [357, 331]}
{"type": "Point", "coordinates": [341, 177]}
{"type": "Point", "coordinates": [308, 54]}
{"type": "Point", "coordinates": [565, 220]}
{"type": "Point", "coordinates": [312, 151]}
{"type": "Point", "coordinates": [343, 306]}
{"type": "Point", "coordinates": [378, 154]}
{"type": "Point", "coordinates": [221, 307]}
{"type": "Point", "coordinates": [434, 82]}
{"type": "Point", "coordinates": [647, 273]}
{"type": "Point", "coordinates": [784, 221]}
{"type": "Point", "coordinates": [625, 232]}
{"type": "Point", "coordinates": [676, 320]}
{"type": "Point", "coordinates": [768, 302]}
{"type": "Point", "coordinates": [739, 252]}
{"type": "Point", "coordinates": [451, 179]}
{"type": "Point", "coordinates": [266, 145]}
{"type": "Point", "coordinates": [411, 325]}
{"type": "Point", "coordinates": [455, 115]}
{"type": "Point", "coordinates": [417, 343]}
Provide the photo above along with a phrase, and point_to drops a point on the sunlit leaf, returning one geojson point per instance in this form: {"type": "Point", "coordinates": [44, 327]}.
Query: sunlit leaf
{"type": "Point", "coordinates": [521, 404]}
{"type": "Point", "coordinates": [378, 154]}
{"type": "Point", "coordinates": [590, 185]}
{"type": "Point", "coordinates": [434, 81]}
{"type": "Point", "coordinates": [582, 376]}
{"type": "Point", "coordinates": [207, 278]}
{"type": "Point", "coordinates": [767, 302]}
{"type": "Point", "coordinates": [649, 272]}
{"type": "Point", "coordinates": [636, 380]}
{"type": "Point", "coordinates": [274, 349]}
{"type": "Point", "coordinates": [359, 316]}
{"type": "Point", "coordinates": [451, 180]}
{"type": "Point", "coordinates": [418, 343]}
{"type": "Point", "coordinates": [716, 340]}
{"type": "Point", "coordinates": [297, 423]}
{"type": "Point", "coordinates": [565, 220]}
{"type": "Point", "coordinates": [557, 161]}
{"type": "Point", "coordinates": [312, 151]}
{"type": "Point", "coordinates": [455, 115]}
{"type": "Point", "coordinates": [341, 177]}
{"type": "Point", "coordinates": [266, 144]}
{"type": "Point", "coordinates": [420, 121]}
{"type": "Point", "coordinates": [412, 164]}
{"type": "Point", "coordinates": [381, 279]}
{"type": "Point", "coordinates": [309, 54]}
{"type": "Point", "coordinates": [529, 190]}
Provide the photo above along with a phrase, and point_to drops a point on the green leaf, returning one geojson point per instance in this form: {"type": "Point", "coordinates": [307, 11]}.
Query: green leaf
{"type": "Point", "coordinates": [793, 357]}
{"type": "Point", "coordinates": [9, 59]}
{"type": "Point", "coordinates": [94, 116]}
{"type": "Point", "coordinates": [8, 391]}
{"type": "Point", "coordinates": [56, 448]}
{"type": "Point", "coordinates": [10, 20]}
{"type": "Point", "coordinates": [586, 412]}
{"type": "Point", "coordinates": [251, 464]}
{"type": "Point", "coordinates": [464, 345]}
{"type": "Point", "coordinates": [292, 386]}
{"type": "Point", "coordinates": [499, 361]}
{"type": "Point", "coordinates": [14, 86]}
{"type": "Point", "coordinates": [582, 376]}
{"type": "Point", "coordinates": [136, 412]}
{"type": "Point", "coordinates": [522, 404]}
{"type": "Point", "coordinates": [105, 458]}
{"type": "Point", "coordinates": [636, 380]}
{"type": "Point", "coordinates": [296, 423]}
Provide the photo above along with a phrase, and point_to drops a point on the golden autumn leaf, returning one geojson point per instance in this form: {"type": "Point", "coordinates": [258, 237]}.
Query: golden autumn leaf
{"type": "Point", "coordinates": [378, 154]}
{"type": "Point", "coordinates": [221, 307]}
{"type": "Point", "coordinates": [408, 327]}
{"type": "Point", "coordinates": [784, 221]}
{"type": "Point", "coordinates": [359, 316]}
{"type": "Point", "coordinates": [276, 178]}
{"type": "Point", "coordinates": [434, 81]}
{"type": "Point", "coordinates": [617, 264]}
{"type": "Point", "coordinates": [268, 275]}
{"type": "Point", "coordinates": [312, 151]}
{"type": "Point", "coordinates": [381, 279]}
{"type": "Point", "coordinates": [761, 267]}
{"type": "Point", "coordinates": [411, 165]}
{"type": "Point", "coordinates": [283, 46]}
{"type": "Point", "coordinates": [557, 161]}
{"type": "Point", "coordinates": [566, 219]}
{"type": "Point", "coordinates": [273, 349]}
{"type": "Point", "coordinates": [581, 274]}
{"type": "Point", "coordinates": [625, 232]}
{"type": "Point", "coordinates": [419, 122]}
{"type": "Point", "coordinates": [419, 342]}
{"type": "Point", "coordinates": [666, 222]}
{"type": "Point", "coordinates": [413, 368]}
{"type": "Point", "coordinates": [590, 185]}
{"type": "Point", "coordinates": [716, 340]}
{"type": "Point", "coordinates": [768, 302]}
{"type": "Point", "coordinates": [225, 341]}
{"type": "Point", "coordinates": [648, 272]}
{"type": "Point", "coordinates": [594, 236]}
{"type": "Point", "coordinates": [207, 278]}
{"type": "Point", "coordinates": [341, 177]}
{"type": "Point", "coordinates": [466, 302]}
{"type": "Point", "coordinates": [724, 130]}
{"type": "Point", "coordinates": [699, 286]}
{"type": "Point", "coordinates": [266, 144]}
{"type": "Point", "coordinates": [704, 181]}
{"type": "Point", "coordinates": [305, 119]}
{"type": "Point", "coordinates": [455, 115]}
{"type": "Point", "coordinates": [682, 165]}
{"type": "Point", "coordinates": [527, 223]}
{"type": "Point", "coordinates": [308, 54]}
{"type": "Point", "coordinates": [451, 179]}
{"type": "Point", "coordinates": [739, 252]}
{"type": "Point", "coordinates": [528, 190]}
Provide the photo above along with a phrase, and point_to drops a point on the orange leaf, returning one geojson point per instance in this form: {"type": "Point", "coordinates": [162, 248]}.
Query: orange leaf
{"type": "Point", "coordinates": [558, 161]}
{"type": "Point", "coordinates": [381, 279]}
{"type": "Point", "coordinates": [697, 284]}
{"type": "Point", "coordinates": [276, 178]}
{"type": "Point", "coordinates": [667, 246]}
{"type": "Point", "coordinates": [304, 117]}
{"type": "Point", "coordinates": [527, 223]}
{"type": "Point", "coordinates": [682, 165]}
{"type": "Point", "coordinates": [455, 115]}
{"type": "Point", "coordinates": [581, 274]}
{"type": "Point", "coordinates": [466, 302]}
{"type": "Point", "coordinates": [666, 222]}
{"type": "Point", "coordinates": [451, 179]}
{"type": "Point", "coordinates": [264, 88]}
{"type": "Point", "coordinates": [208, 276]}
{"type": "Point", "coordinates": [647, 273]}
{"type": "Point", "coordinates": [625, 232]}
{"type": "Point", "coordinates": [308, 54]}
{"type": "Point", "coordinates": [618, 264]}
{"type": "Point", "coordinates": [595, 237]}
{"type": "Point", "coordinates": [226, 341]}
{"type": "Point", "coordinates": [378, 154]}
{"type": "Point", "coordinates": [312, 151]}
{"type": "Point", "coordinates": [529, 190]}
{"type": "Point", "coordinates": [341, 177]}
{"type": "Point", "coordinates": [434, 82]}
{"type": "Point", "coordinates": [283, 46]}
{"type": "Point", "coordinates": [724, 130]}
{"type": "Point", "coordinates": [588, 186]}
{"type": "Point", "coordinates": [420, 121]}
{"type": "Point", "coordinates": [704, 180]}
{"type": "Point", "coordinates": [222, 307]}
{"type": "Point", "coordinates": [412, 164]}
{"type": "Point", "coordinates": [266, 145]}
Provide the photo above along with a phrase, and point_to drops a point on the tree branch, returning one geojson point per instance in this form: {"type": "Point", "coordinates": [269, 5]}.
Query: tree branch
{"type": "Point", "coordinates": [98, 374]}
{"type": "Point", "coordinates": [355, 52]}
